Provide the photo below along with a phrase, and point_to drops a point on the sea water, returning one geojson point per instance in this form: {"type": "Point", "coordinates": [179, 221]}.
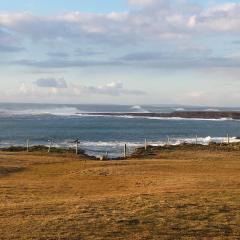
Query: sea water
{"type": "Point", "coordinates": [100, 134]}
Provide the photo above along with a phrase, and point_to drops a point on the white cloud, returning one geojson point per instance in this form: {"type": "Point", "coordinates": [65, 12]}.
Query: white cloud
{"type": "Point", "coordinates": [47, 89]}
{"type": "Point", "coordinates": [51, 83]}
{"type": "Point", "coordinates": [192, 21]}
{"type": "Point", "coordinates": [164, 20]}
{"type": "Point", "coordinates": [155, 34]}
{"type": "Point", "coordinates": [221, 8]}
{"type": "Point", "coordinates": [112, 89]}
{"type": "Point", "coordinates": [142, 2]}
{"type": "Point", "coordinates": [219, 18]}
{"type": "Point", "coordinates": [196, 94]}
{"type": "Point", "coordinates": [24, 89]}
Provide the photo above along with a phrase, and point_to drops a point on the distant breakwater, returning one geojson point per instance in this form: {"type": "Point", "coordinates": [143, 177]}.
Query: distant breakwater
{"type": "Point", "coordinates": [183, 114]}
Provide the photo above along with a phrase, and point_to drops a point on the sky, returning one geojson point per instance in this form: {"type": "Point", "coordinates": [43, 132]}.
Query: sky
{"type": "Point", "coordinates": [120, 52]}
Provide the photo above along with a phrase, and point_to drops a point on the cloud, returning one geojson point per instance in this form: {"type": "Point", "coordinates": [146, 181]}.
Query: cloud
{"type": "Point", "coordinates": [64, 63]}
{"type": "Point", "coordinates": [166, 19]}
{"type": "Point", "coordinates": [9, 42]}
{"type": "Point", "coordinates": [87, 52]}
{"type": "Point", "coordinates": [179, 58]}
{"type": "Point", "coordinates": [112, 89]}
{"type": "Point", "coordinates": [51, 83]}
{"type": "Point", "coordinates": [162, 21]}
{"type": "Point", "coordinates": [196, 94]}
{"type": "Point", "coordinates": [219, 18]}
{"type": "Point", "coordinates": [182, 57]}
{"type": "Point", "coordinates": [159, 27]}
{"type": "Point", "coordinates": [76, 26]}
{"type": "Point", "coordinates": [58, 88]}
{"type": "Point", "coordinates": [237, 42]}
{"type": "Point", "coordinates": [142, 2]}
{"type": "Point", "coordinates": [58, 54]}
{"type": "Point", "coordinates": [10, 49]}
{"type": "Point", "coordinates": [24, 89]}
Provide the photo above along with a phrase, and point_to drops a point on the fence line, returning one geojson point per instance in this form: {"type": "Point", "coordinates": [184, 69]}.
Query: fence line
{"type": "Point", "coordinates": [126, 150]}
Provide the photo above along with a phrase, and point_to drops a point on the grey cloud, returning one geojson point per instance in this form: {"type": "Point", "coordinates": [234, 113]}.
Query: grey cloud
{"type": "Point", "coordinates": [143, 59]}
{"type": "Point", "coordinates": [142, 56]}
{"type": "Point", "coordinates": [190, 63]}
{"type": "Point", "coordinates": [171, 58]}
{"type": "Point", "coordinates": [58, 54]}
{"type": "Point", "coordinates": [87, 52]}
{"type": "Point", "coordinates": [10, 49]}
{"type": "Point", "coordinates": [51, 83]}
{"type": "Point", "coordinates": [237, 42]}
{"type": "Point", "coordinates": [61, 63]}
{"type": "Point", "coordinates": [170, 54]}
{"type": "Point", "coordinates": [164, 58]}
{"type": "Point", "coordinates": [178, 58]}
{"type": "Point", "coordinates": [9, 42]}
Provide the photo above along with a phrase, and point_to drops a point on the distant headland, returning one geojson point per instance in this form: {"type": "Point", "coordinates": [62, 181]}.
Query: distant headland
{"type": "Point", "coordinates": [235, 115]}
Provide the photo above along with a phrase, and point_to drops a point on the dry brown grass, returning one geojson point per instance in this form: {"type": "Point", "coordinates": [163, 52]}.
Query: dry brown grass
{"type": "Point", "coordinates": [176, 195]}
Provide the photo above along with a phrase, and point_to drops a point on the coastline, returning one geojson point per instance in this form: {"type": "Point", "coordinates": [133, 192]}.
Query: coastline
{"type": "Point", "coordinates": [181, 114]}
{"type": "Point", "coordinates": [138, 153]}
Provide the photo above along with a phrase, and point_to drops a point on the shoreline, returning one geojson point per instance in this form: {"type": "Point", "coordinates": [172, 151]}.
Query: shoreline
{"type": "Point", "coordinates": [183, 114]}
{"type": "Point", "coordinates": [138, 153]}
{"type": "Point", "coordinates": [42, 149]}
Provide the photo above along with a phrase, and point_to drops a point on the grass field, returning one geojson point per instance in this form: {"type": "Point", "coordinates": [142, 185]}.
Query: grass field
{"type": "Point", "coordinates": [172, 194]}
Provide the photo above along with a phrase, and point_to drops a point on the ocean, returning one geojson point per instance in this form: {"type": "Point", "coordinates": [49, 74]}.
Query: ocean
{"type": "Point", "coordinates": [100, 134]}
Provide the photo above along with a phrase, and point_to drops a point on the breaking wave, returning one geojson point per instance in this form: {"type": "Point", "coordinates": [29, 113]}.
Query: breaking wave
{"type": "Point", "coordinates": [115, 148]}
{"type": "Point", "coordinates": [179, 109]}
{"type": "Point", "coordinates": [61, 111]}
{"type": "Point", "coordinates": [128, 116]}
{"type": "Point", "coordinates": [139, 109]}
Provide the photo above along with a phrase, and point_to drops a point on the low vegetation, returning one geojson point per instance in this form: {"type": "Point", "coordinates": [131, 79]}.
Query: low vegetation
{"type": "Point", "coordinates": [187, 192]}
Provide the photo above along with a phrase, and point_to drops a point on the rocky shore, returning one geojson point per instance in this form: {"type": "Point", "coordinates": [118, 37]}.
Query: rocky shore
{"type": "Point", "coordinates": [184, 114]}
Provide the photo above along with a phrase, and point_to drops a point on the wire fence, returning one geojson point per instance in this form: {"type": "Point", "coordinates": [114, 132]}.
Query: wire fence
{"type": "Point", "coordinates": [123, 149]}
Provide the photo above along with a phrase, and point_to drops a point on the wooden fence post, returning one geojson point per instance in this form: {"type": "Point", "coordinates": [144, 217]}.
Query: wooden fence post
{"type": "Point", "coordinates": [50, 145]}
{"type": "Point", "coordinates": [168, 140]}
{"type": "Point", "coordinates": [76, 147]}
{"type": "Point", "coordinates": [27, 144]}
{"type": "Point", "coordinates": [77, 142]}
{"type": "Point", "coordinates": [125, 150]}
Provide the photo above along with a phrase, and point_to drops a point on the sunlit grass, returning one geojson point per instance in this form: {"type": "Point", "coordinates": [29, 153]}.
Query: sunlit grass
{"type": "Point", "coordinates": [180, 194]}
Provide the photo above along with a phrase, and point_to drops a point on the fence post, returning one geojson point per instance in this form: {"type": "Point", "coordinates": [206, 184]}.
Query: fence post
{"type": "Point", "coordinates": [27, 144]}
{"type": "Point", "coordinates": [146, 144]}
{"type": "Point", "coordinates": [196, 139]}
{"type": "Point", "coordinates": [77, 147]}
{"type": "Point", "coordinates": [50, 145]}
{"type": "Point", "coordinates": [228, 139]}
{"type": "Point", "coordinates": [125, 150]}
{"type": "Point", "coordinates": [168, 140]}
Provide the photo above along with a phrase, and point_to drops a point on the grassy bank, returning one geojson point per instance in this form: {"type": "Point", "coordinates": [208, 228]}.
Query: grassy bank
{"type": "Point", "coordinates": [176, 193]}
